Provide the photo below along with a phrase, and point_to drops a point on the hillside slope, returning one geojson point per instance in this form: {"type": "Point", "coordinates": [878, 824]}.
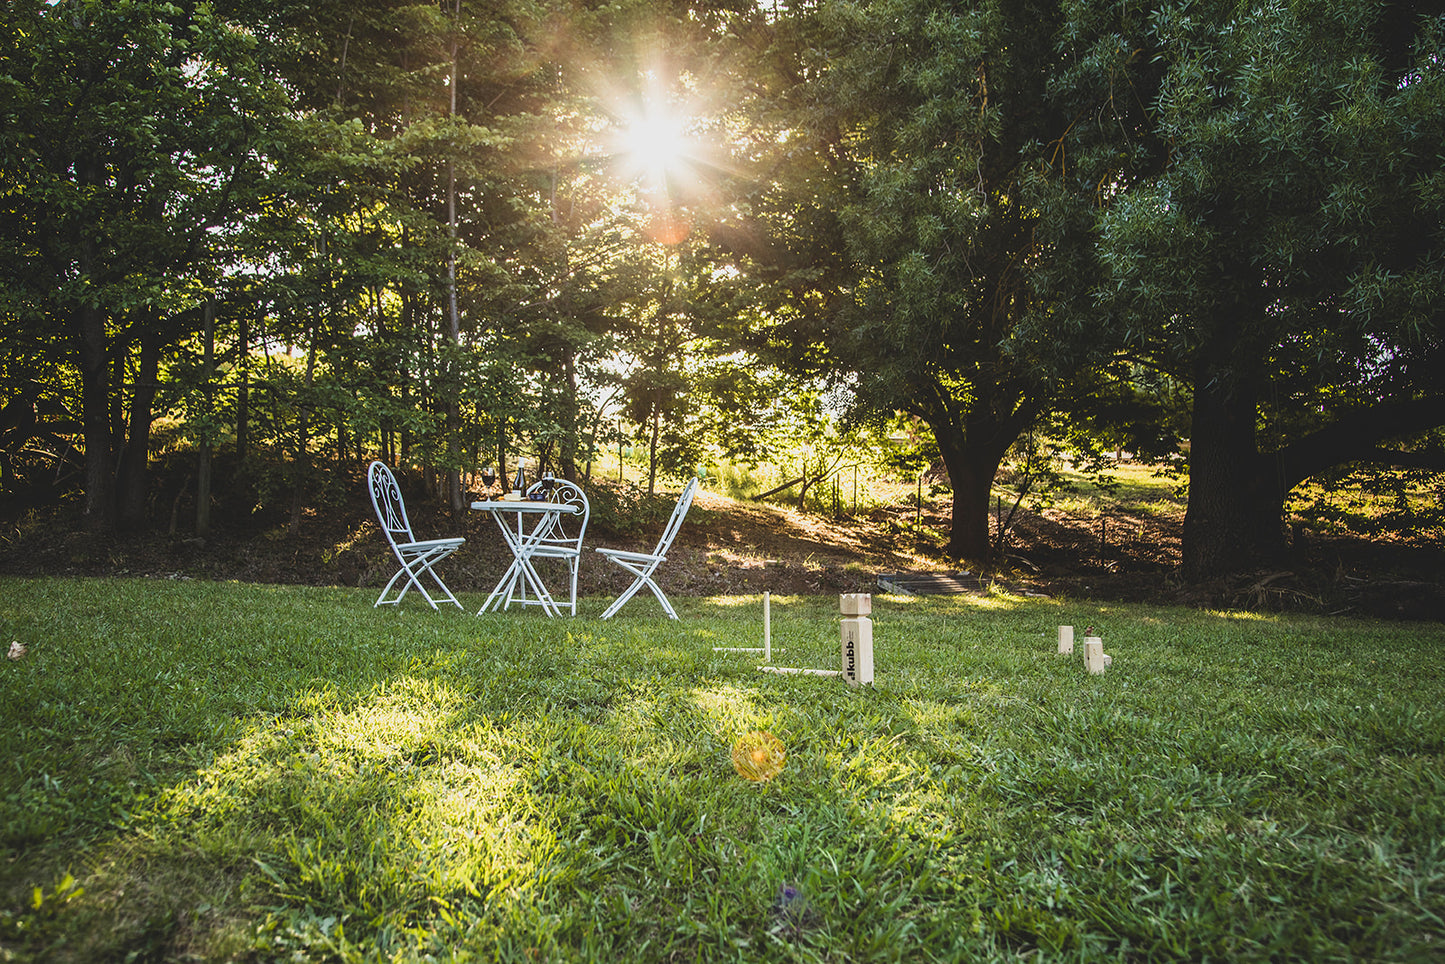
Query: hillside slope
{"type": "Point", "coordinates": [730, 547]}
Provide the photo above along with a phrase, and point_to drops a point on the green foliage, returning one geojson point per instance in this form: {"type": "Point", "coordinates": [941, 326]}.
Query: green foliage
{"type": "Point", "coordinates": [424, 242]}
{"type": "Point", "coordinates": [139, 137]}
{"type": "Point", "coordinates": [214, 772]}
{"type": "Point", "coordinates": [625, 507]}
{"type": "Point", "coordinates": [911, 447]}
{"type": "Point", "coordinates": [1268, 228]}
{"type": "Point", "coordinates": [925, 251]}
{"type": "Point", "coordinates": [1399, 505]}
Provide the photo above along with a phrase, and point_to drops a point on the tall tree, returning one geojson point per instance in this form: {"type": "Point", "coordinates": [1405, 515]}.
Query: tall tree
{"type": "Point", "coordinates": [902, 141]}
{"type": "Point", "coordinates": [1285, 256]}
{"type": "Point", "coordinates": [133, 134]}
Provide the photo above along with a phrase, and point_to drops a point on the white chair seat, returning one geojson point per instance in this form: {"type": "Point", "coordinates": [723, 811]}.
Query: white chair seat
{"type": "Point", "coordinates": [620, 554]}
{"type": "Point", "coordinates": [556, 552]}
{"type": "Point", "coordinates": [432, 543]}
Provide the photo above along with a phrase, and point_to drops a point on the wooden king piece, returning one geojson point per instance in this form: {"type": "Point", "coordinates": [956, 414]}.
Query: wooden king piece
{"type": "Point", "coordinates": [857, 638]}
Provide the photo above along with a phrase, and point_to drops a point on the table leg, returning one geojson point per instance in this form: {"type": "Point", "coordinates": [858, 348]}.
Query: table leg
{"type": "Point", "coordinates": [530, 574]}
{"type": "Point", "coordinates": [521, 570]}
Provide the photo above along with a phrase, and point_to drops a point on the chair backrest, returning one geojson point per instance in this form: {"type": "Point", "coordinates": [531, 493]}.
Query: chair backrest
{"type": "Point", "coordinates": [679, 512]}
{"type": "Point", "coordinates": [568, 528]}
{"type": "Point", "coordinates": [386, 500]}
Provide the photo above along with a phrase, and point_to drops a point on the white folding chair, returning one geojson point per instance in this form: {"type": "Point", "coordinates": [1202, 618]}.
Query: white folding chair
{"type": "Point", "coordinates": [416, 557]}
{"type": "Point", "coordinates": [642, 565]}
{"type": "Point", "coordinates": [560, 536]}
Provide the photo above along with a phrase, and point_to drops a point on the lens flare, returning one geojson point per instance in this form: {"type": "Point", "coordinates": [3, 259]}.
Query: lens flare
{"type": "Point", "coordinates": [758, 756]}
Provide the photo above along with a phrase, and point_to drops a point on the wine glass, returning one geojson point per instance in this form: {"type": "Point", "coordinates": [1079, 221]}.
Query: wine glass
{"type": "Point", "coordinates": [489, 477]}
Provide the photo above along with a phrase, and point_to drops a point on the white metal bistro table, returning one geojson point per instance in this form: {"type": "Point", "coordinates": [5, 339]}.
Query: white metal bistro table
{"type": "Point", "coordinates": [524, 541]}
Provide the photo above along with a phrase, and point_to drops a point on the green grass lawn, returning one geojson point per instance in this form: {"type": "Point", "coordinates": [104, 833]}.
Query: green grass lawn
{"type": "Point", "coordinates": [216, 772]}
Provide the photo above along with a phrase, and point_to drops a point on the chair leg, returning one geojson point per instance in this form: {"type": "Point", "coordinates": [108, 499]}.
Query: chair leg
{"type": "Point", "coordinates": [666, 606]}
{"type": "Point", "coordinates": [382, 600]}
{"type": "Point", "coordinates": [405, 570]}
{"type": "Point", "coordinates": [412, 571]}
{"type": "Point", "coordinates": [443, 587]}
{"type": "Point", "coordinates": [574, 563]}
{"type": "Point", "coordinates": [419, 588]}
{"type": "Point", "coordinates": [643, 578]}
{"type": "Point", "coordinates": [621, 600]}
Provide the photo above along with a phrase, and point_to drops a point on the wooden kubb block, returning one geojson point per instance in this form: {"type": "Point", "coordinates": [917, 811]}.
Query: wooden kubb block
{"type": "Point", "coordinates": [1094, 658]}
{"type": "Point", "coordinates": [857, 646]}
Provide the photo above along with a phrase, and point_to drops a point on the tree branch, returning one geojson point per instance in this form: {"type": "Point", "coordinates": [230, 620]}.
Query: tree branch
{"type": "Point", "coordinates": [1357, 437]}
{"type": "Point", "coordinates": [1433, 461]}
{"type": "Point", "coordinates": [782, 488]}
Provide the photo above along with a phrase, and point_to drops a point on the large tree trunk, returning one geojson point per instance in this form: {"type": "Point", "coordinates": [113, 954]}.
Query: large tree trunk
{"type": "Point", "coordinates": [970, 473]}
{"type": "Point", "coordinates": [972, 451]}
{"type": "Point", "coordinates": [133, 481]}
{"type": "Point", "coordinates": [1234, 520]}
{"type": "Point", "coordinates": [1235, 516]}
{"type": "Point", "coordinates": [99, 507]}
{"type": "Point", "coordinates": [972, 478]}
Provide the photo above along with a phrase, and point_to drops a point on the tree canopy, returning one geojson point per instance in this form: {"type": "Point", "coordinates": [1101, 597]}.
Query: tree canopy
{"type": "Point", "coordinates": [1279, 246]}
{"type": "Point", "coordinates": [451, 233]}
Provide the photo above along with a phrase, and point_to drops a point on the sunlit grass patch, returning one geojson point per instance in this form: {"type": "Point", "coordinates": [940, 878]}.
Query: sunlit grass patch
{"type": "Point", "coordinates": [1134, 488]}
{"type": "Point", "coordinates": [1402, 505]}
